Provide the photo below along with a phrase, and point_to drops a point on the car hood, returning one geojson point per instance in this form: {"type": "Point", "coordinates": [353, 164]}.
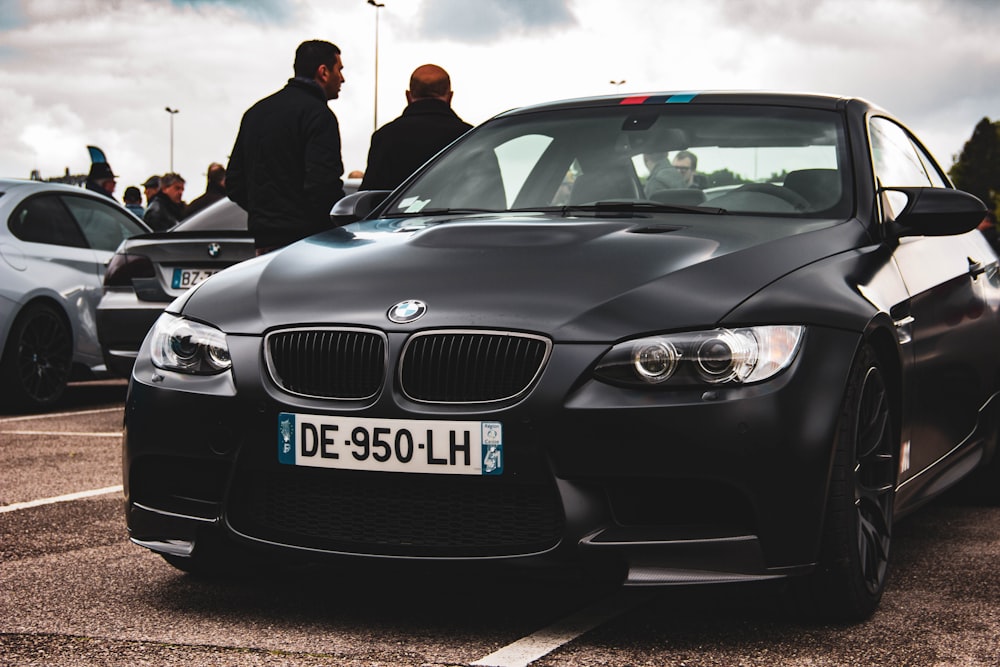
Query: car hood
{"type": "Point", "coordinates": [571, 278]}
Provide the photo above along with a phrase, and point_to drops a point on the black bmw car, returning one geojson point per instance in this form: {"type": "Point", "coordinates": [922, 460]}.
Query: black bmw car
{"type": "Point", "coordinates": [548, 345]}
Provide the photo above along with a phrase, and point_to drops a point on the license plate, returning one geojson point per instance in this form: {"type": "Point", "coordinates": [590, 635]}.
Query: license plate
{"type": "Point", "coordinates": [391, 445]}
{"type": "Point", "coordinates": [186, 278]}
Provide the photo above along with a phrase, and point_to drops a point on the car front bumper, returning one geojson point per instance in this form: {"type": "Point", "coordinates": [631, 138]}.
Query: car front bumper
{"type": "Point", "coordinates": [681, 486]}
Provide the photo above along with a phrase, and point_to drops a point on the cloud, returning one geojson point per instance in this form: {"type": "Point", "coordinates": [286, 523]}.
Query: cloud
{"type": "Point", "coordinates": [11, 15]}
{"type": "Point", "coordinates": [490, 20]}
{"type": "Point", "coordinates": [264, 11]}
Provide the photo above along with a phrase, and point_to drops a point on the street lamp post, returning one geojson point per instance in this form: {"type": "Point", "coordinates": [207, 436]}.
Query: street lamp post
{"type": "Point", "coordinates": [172, 113]}
{"type": "Point", "coordinates": [377, 6]}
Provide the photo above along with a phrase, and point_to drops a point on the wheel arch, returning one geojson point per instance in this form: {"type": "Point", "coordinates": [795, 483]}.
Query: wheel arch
{"type": "Point", "coordinates": [46, 300]}
{"type": "Point", "coordinates": [887, 350]}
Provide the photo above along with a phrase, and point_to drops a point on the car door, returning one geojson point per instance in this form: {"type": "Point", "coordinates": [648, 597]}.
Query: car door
{"type": "Point", "coordinates": [951, 281]}
{"type": "Point", "coordinates": [55, 259]}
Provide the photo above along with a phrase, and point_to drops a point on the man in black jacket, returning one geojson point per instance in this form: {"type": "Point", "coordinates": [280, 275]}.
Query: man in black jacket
{"type": "Point", "coordinates": [215, 189]}
{"type": "Point", "coordinates": [427, 125]}
{"type": "Point", "coordinates": [285, 169]}
{"type": "Point", "coordinates": [167, 207]}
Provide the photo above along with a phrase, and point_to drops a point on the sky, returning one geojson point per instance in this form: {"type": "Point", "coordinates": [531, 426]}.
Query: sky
{"type": "Point", "coordinates": [75, 73]}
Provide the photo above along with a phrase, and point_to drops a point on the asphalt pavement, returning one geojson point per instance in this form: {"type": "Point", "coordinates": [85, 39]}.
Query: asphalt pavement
{"type": "Point", "coordinates": [74, 590]}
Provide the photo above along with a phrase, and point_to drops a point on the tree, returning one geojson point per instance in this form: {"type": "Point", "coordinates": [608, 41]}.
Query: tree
{"type": "Point", "coordinates": [977, 169]}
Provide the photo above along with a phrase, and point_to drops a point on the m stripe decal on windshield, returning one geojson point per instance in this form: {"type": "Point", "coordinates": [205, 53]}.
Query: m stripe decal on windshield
{"type": "Point", "coordinates": [679, 98]}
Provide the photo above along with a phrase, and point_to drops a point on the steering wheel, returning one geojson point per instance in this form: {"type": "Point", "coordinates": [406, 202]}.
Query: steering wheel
{"type": "Point", "coordinates": [790, 196]}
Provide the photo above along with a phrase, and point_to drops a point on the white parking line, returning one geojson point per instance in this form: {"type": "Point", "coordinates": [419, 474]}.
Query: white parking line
{"type": "Point", "coordinates": [61, 499]}
{"type": "Point", "coordinates": [4, 420]}
{"type": "Point", "coordinates": [538, 644]}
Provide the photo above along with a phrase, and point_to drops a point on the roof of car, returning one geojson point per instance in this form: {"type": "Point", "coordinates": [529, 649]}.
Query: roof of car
{"type": "Point", "coordinates": [12, 184]}
{"type": "Point", "coordinates": [812, 100]}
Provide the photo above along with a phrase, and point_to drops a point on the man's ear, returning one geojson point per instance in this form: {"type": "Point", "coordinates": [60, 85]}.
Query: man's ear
{"type": "Point", "coordinates": [409, 97]}
{"type": "Point", "coordinates": [322, 74]}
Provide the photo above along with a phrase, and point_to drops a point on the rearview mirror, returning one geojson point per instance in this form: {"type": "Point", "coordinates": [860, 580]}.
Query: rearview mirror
{"type": "Point", "coordinates": [934, 211]}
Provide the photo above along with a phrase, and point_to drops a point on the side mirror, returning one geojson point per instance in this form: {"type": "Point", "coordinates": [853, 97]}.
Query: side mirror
{"type": "Point", "coordinates": [356, 206]}
{"type": "Point", "coordinates": [934, 211]}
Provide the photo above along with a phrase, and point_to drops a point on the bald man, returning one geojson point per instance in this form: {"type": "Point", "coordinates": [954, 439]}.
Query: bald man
{"type": "Point", "coordinates": [427, 125]}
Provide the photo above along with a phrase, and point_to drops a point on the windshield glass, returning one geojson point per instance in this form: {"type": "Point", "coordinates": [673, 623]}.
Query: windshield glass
{"type": "Point", "coordinates": [743, 159]}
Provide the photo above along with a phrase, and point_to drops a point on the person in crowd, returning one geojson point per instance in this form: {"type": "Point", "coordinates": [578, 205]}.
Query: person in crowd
{"type": "Point", "coordinates": [687, 163]}
{"type": "Point", "coordinates": [101, 179]}
{"type": "Point", "coordinates": [662, 174]}
{"type": "Point", "coordinates": [150, 188]}
{"type": "Point", "coordinates": [285, 169]}
{"type": "Point", "coordinates": [167, 206]}
{"type": "Point", "coordinates": [133, 201]}
{"type": "Point", "coordinates": [215, 189]}
{"type": "Point", "coordinates": [427, 125]}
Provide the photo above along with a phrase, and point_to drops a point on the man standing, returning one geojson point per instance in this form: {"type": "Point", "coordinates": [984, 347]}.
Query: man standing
{"type": "Point", "coordinates": [133, 201]}
{"type": "Point", "coordinates": [687, 163]}
{"type": "Point", "coordinates": [285, 169]}
{"type": "Point", "coordinates": [101, 179]}
{"type": "Point", "coordinates": [150, 188]}
{"type": "Point", "coordinates": [167, 207]}
{"type": "Point", "coordinates": [215, 189]}
{"type": "Point", "coordinates": [427, 125]}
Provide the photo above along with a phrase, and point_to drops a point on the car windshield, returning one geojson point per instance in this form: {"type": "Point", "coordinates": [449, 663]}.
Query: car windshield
{"type": "Point", "coordinates": [672, 157]}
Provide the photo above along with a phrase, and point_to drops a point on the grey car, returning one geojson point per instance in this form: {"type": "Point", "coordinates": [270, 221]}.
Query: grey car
{"type": "Point", "coordinates": [54, 247]}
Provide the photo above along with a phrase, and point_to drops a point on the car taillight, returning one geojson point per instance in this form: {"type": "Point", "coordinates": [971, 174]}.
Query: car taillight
{"type": "Point", "coordinates": [123, 268]}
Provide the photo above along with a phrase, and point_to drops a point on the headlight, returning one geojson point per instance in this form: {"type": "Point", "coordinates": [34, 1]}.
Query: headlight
{"type": "Point", "coordinates": [716, 357]}
{"type": "Point", "coordinates": [186, 346]}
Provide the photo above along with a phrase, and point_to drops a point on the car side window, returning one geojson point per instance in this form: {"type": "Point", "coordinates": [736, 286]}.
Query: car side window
{"type": "Point", "coordinates": [44, 219]}
{"type": "Point", "coordinates": [105, 226]}
{"type": "Point", "coordinates": [898, 161]}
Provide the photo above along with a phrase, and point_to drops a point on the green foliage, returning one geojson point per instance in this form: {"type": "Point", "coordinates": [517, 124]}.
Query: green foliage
{"type": "Point", "coordinates": [724, 177]}
{"type": "Point", "coordinates": [977, 169]}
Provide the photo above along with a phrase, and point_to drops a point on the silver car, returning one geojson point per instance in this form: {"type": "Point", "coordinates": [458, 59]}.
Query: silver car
{"type": "Point", "coordinates": [54, 248]}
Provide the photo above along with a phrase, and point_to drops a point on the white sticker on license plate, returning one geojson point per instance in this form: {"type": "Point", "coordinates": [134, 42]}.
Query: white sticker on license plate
{"type": "Point", "coordinates": [391, 445]}
{"type": "Point", "coordinates": [186, 278]}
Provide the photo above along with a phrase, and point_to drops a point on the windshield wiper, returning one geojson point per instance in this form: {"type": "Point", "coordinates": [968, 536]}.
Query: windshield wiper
{"type": "Point", "coordinates": [641, 207]}
{"type": "Point", "coordinates": [446, 211]}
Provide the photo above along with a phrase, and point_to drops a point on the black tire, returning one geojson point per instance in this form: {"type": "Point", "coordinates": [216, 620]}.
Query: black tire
{"type": "Point", "coordinates": [37, 359]}
{"type": "Point", "coordinates": [848, 583]}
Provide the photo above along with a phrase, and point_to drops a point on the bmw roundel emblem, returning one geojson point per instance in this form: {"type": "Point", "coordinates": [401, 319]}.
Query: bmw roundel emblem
{"type": "Point", "coordinates": [407, 311]}
{"type": "Point", "coordinates": [214, 249]}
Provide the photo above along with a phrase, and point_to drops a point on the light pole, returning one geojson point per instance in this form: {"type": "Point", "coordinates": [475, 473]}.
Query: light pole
{"type": "Point", "coordinates": [172, 113]}
{"type": "Point", "coordinates": [377, 6]}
